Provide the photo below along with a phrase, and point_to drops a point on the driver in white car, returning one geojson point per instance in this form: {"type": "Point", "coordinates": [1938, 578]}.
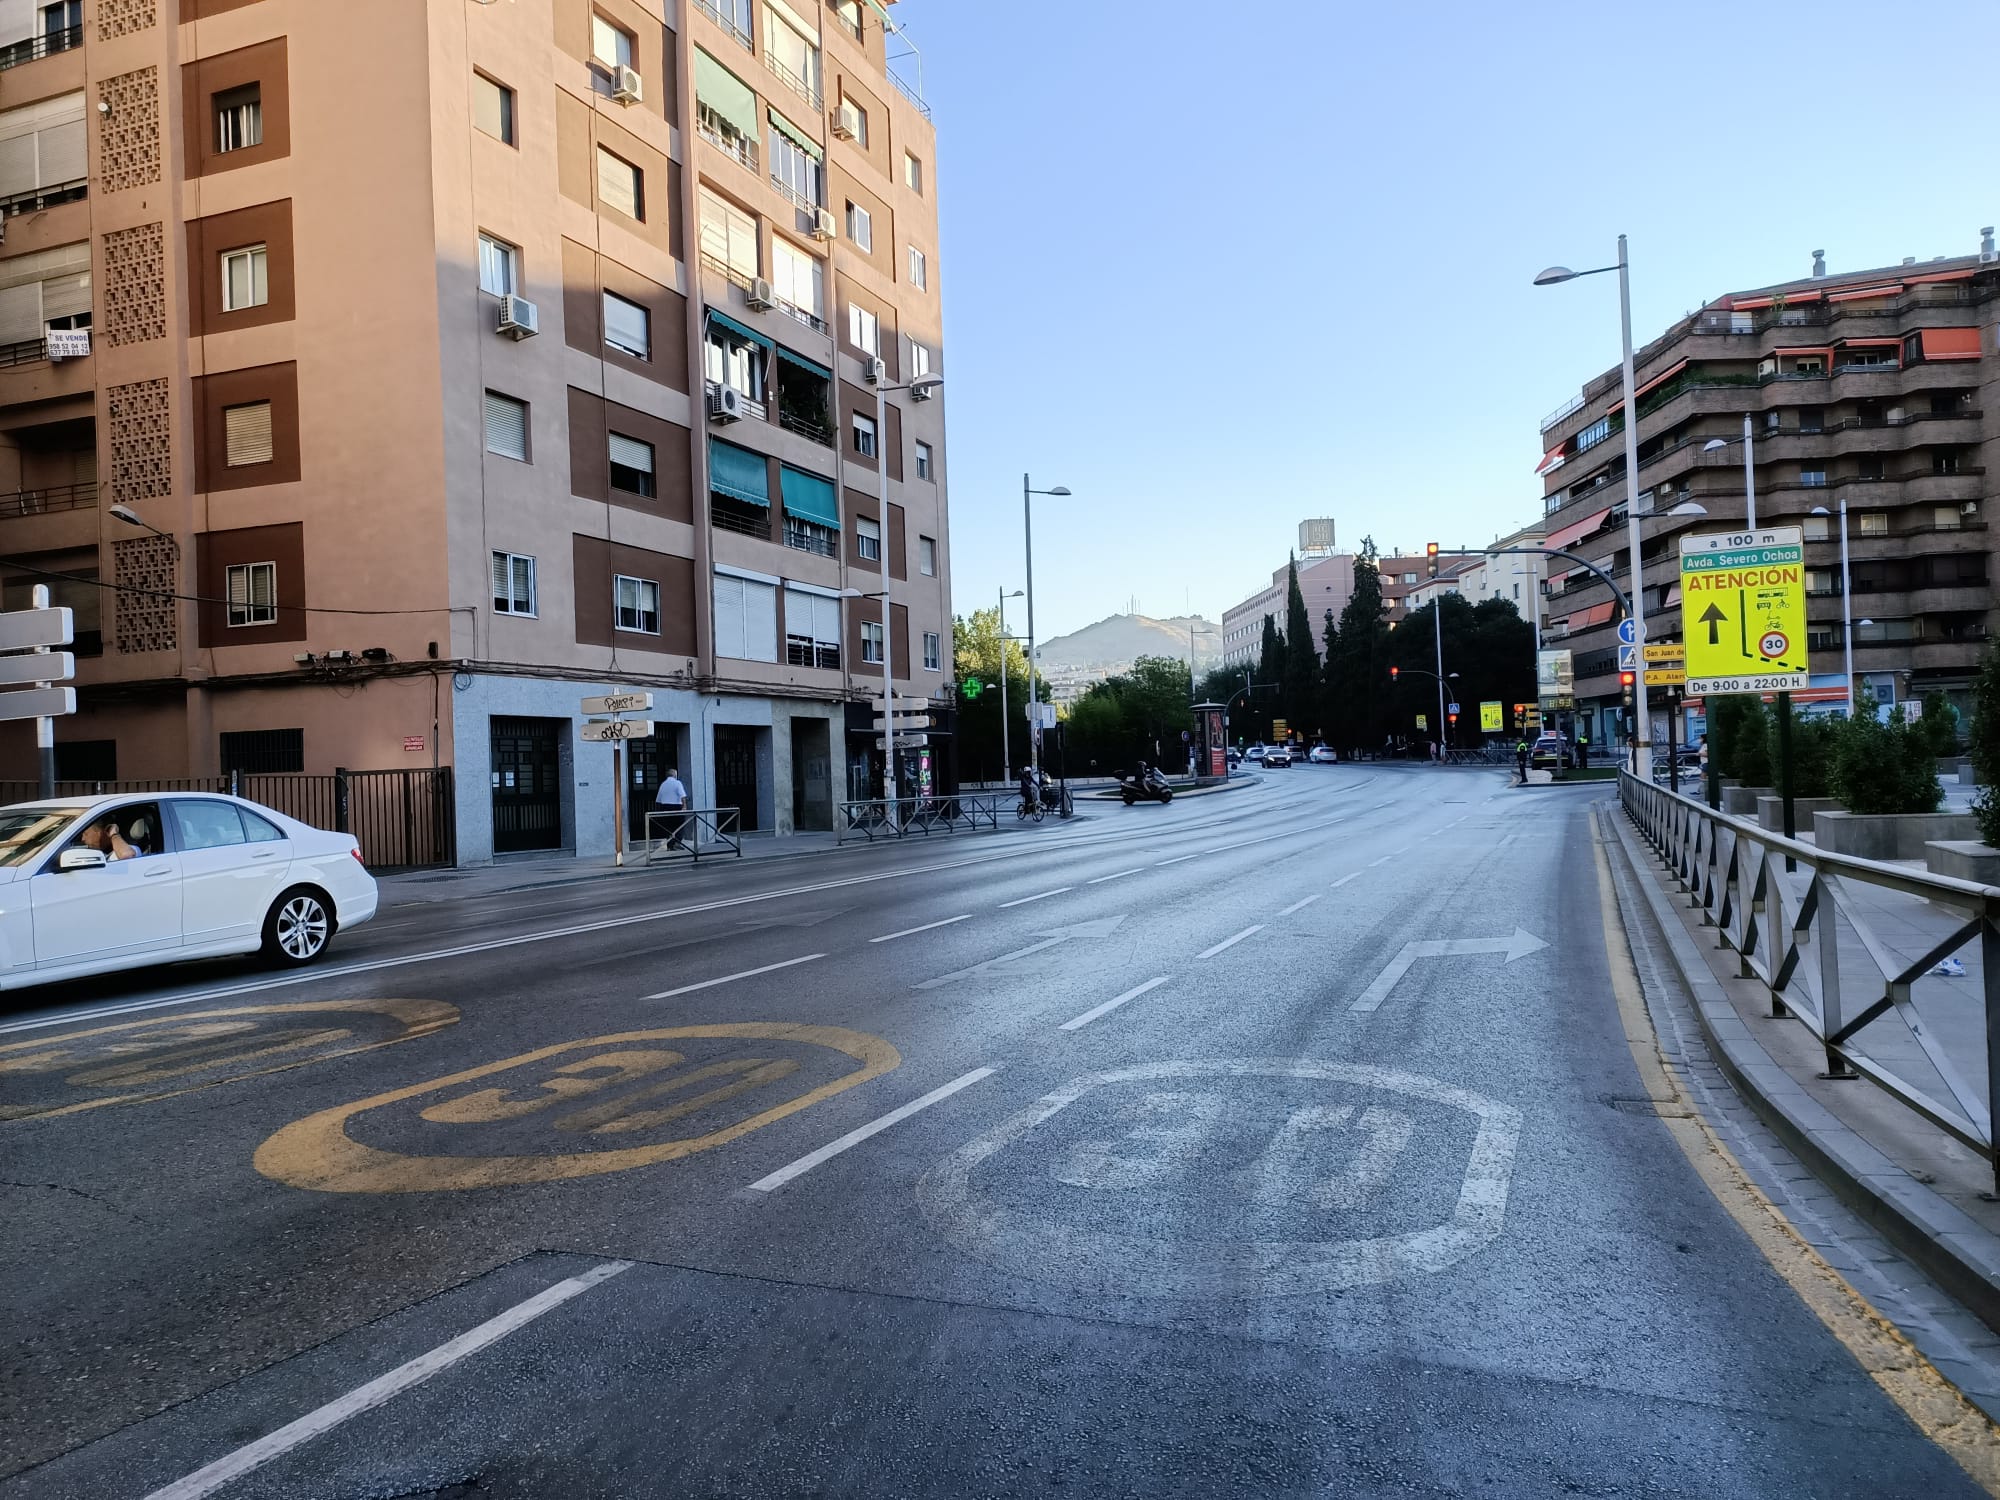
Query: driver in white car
{"type": "Point", "coordinates": [104, 836]}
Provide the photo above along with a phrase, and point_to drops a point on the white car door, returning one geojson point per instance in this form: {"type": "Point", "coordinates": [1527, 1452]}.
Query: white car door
{"type": "Point", "coordinates": [233, 863]}
{"type": "Point", "coordinates": [126, 907]}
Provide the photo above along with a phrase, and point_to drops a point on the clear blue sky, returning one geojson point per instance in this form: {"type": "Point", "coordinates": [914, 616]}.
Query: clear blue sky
{"type": "Point", "coordinates": [1219, 267]}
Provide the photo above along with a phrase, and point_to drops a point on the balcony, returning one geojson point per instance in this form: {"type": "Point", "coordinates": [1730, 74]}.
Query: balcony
{"type": "Point", "coordinates": [909, 92]}
{"type": "Point", "coordinates": [802, 651]}
{"type": "Point", "coordinates": [806, 427]}
{"type": "Point", "coordinates": [27, 352]}
{"type": "Point", "coordinates": [726, 271]}
{"type": "Point", "coordinates": [737, 148]}
{"type": "Point", "coordinates": [817, 540]}
{"type": "Point", "coordinates": [46, 45]}
{"type": "Point", "coordinates": [37, 199]}
{"type": "Point", "coordinates": [48, 500]}
{"type": "Point", "coordinates": [812, 320]}
{"type": "Point", "coordinates": [809, 206]}
{"type": "Point", "coordinates": [727, 23]}
{"type": "Point", "coordinates": [726, 514]}
{"type": "Point", "coordinates": [792, 81]}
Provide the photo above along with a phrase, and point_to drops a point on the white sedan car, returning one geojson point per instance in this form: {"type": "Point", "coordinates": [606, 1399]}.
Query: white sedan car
{"type": "Point", "coordinates": [93, 884]}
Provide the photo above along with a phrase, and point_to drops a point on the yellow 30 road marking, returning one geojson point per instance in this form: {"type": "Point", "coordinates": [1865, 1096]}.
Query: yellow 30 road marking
{"type": "Point", "coordinates": [1937, 1408]}
{"type": "Point", "coordinates": [318, 1153]}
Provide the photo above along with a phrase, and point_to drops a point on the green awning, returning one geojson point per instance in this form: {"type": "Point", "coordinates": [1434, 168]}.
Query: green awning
{"type": "Point", "coordinates": [804, 364]}
{"type": "Point", "coordinates": [796, 136]}
{"type": "Point", "coordinates": [726, 94]}
{"type": "Point", "coordinates": [809, 497]}
{"type": "Point", "coordinates": [741, 330]}
{"type": "Point", "coordinates": [738, 473]}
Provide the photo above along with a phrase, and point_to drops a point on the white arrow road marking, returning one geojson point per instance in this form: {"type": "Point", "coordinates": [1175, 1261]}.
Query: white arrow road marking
{"type": "Point", "coordinates": [1520, 944]}
{"type": "Point", "coordinates": [1103, 927]}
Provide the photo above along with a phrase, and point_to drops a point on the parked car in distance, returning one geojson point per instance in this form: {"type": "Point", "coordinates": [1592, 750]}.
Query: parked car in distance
{"type": "Point", "coordinates": [1549, 750]}
{"type": "Point", "coordinates": [1277, 755]}
{"type": "Point", "coordinates": [90, 885]}
{"type": "Point", "coordinates": [1255, 753]}
{"type": "Point", "coordinates": [1322, 755]}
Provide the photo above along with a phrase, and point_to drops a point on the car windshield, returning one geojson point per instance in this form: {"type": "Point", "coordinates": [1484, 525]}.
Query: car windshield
{"type": "Point", "coordinates": [27, 831]}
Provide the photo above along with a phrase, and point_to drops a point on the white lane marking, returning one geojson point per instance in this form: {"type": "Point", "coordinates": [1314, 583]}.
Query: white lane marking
{"type": "Point", "coordinates": [890, 937]}
{"type": "Point", "coordinates": [1229, 942]}
{"type": "Point", "coordinates": [1382, 861]}
{"type": "Point", "coordinates": [207, 1480]}
{"type": "Point", "coordinates": [1517, 945]}
{"type": "Point", "coordinates": [1179, 859]}
{"type": "Point", "coordinates": [1296, 905]}
{"type": "Point", "coordinates": [1119, 876]}
{"type": "Point", "coordinates": [1112, 1004]}
{"type": "Point", "coordinates": [855, 1137]}
{"type": "Point", "coordinates": [1042, 897]}
{"type": "Point", "coordinates": [709, 984]}
{"type": "Point", "coordinates": [1344, 879]}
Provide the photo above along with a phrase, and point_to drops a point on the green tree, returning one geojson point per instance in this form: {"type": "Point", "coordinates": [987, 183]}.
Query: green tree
{"type": "Point", "coordinates": [978, 651]}
{"type": "Point", "coordinates": [1884, 768]}
{"type": "Point", "coordinates": [1136, 715]}
{"type": "Point", "coordinates": [1357, 666]}
{"type": "Point", "coordinates": [1985, 745]}
{"type": "Point", "coordinates": [1300, 683]}
{"type": "Point", "coordinates": [1265, 701]}
{"type": "Point", "coordinates": [1939, 725]}
{"type": "Point", "coordinates": [1812, 753]}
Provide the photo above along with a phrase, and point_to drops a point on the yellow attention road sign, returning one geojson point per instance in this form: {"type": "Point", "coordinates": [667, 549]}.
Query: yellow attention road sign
{"type": "Point", "coordinates": [1491, 720]}
{"type": "Point", "coordinates": [1743, 611]}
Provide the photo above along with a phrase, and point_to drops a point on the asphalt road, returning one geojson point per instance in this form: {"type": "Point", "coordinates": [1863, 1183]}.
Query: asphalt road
{"type": "Point", "coordinates": [1186, 1175]}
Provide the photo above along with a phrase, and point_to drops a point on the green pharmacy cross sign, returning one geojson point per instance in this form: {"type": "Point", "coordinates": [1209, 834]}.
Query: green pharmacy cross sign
{"type": "Point", "coordinates": [972, 687]}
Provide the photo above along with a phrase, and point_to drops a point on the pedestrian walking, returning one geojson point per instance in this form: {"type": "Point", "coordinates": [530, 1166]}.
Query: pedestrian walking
{"type": "Point", "coordinates": [1521, 760]}
{"type": "Point", "coordinates": [671, 797]}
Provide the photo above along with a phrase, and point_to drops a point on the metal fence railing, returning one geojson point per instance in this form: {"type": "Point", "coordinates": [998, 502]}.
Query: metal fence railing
{"type": "Point", "coordinates": [886, 818]}
{"type": "Point", "coordinates": [692, 833]}
{"type": "Point", "coordinates": [1843, 945]}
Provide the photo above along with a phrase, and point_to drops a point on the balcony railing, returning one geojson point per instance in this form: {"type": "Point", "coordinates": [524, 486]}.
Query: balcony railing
{"type": "Point", "coordinates": [801, 539]}
{"type": "Point", "coordinates": [722, 268]}
{"type": "Point", "coordinates": [52, 498]}
{"type": "Point", "coordinates": [812, 320]}
{"type": "Point", "coordinates": [803, 652]}
{"type": "Point", "coordinates": [785, 189]}
{"type": "Point", "coordinates": [758, 526]}
{"type": "Point", "coordinates": [792, 80]}
{"type": "Point", "coordinates": [805, 427]}
{"type": "Point", "coordinates": [48, 43]}
{"type": "Point", "coordinates": [727, 23]}
{"type": "Point", "coordinates": [735, 147]}
{"type": "Point", "coordinates": [909, 92]}
{"type": "Point", "coordinates": [37, 199]}
{"type": "Point", "coordinates": [27, 352]}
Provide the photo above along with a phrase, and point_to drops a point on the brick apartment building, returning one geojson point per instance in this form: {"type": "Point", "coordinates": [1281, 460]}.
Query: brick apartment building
{"type": "Point", "coordinates": [1877, 390]}
{"type": "Point", "coordinates": [523, 351]}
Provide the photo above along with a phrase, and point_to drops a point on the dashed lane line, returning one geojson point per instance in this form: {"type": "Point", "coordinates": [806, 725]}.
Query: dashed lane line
{"type": "Point", "coordinates": [1113, 1003]}
{"type": "Point", "coordinates": [1040, 896]}
{"type": "Point", "coordinates": [1229, 942]}
{"type": "Point", "coordinates": [1382, 861]}
{"type": "Point", "coordinates": [709, 984]}
{"type": "Point", "coordinates": [1344, 879]}
{"type": "Point", "coordinates": [1300, 904]}
{"type": "Point", "coordinates": [831, 1149]}
{"type": "Point", "coordinates": [1119, 876]}
{"type": "Point", "coordinates": [890, 937]}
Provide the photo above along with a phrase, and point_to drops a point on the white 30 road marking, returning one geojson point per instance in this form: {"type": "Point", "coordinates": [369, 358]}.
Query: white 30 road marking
{"type": "Point", "coordinates": [206, 1481]}
{"type": "Point", "coordinates": [1112, 1004]}
{"type": "Point", "coordinates": [890, 937]}
{"type": "Point", "coordinates": [1042, 896]}
{"type": "Point", "coordinates": [1229, 942]}
{"type": "Point", "coordinates": [855, 1137]}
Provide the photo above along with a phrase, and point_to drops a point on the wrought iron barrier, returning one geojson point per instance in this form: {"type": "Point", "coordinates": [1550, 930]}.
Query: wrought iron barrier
{"type": "Point", "coordinates": [1785, 927]}
{"type": "Point", "coordinates": [879, 818]}
{"type": "Point", "coordinates": [693, 832]}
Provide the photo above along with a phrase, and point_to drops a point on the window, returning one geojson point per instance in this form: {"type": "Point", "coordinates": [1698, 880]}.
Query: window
{"type": "Point", "coordinates": [621, 185]}
{"type": "Point", "coordinates": [1872, 523]}
{"type": "Point", "coordinates": [864, 435]}
{"type": "Point", "coordinates": [1819, 581]}
{"type": "Point", "coordinates": [812, 629]}
{"type": "Point", "coordinates": [609, 45]}
{"type": "Point", "coordinates": [1816, 528]}
{"type": "Point", "coordinates": [246, 434]}
{"type": "Point", "coordinates": [1812, 479]}
{"type": "Point", "coordinates": [1868, 466]}
{"type": "Point", "coordinates": [860, 228]}
{"type": "Point", "coordinates": [919, 271]}
{"type": "Point", "coordinates": [202, 824]}
{"type": "Point", "coordinates": [848, 13]}
{"type": "Point", "coordinates": [493, 108]}
{"type": "Point", "coordinates": [728, 238]}
{"type": "Point", "coordinates": [638, 601]}
{"type": "Point", "coordinates": [628, 327]}
{"type": "Point", "coordinates": [1945, 462]}
{"type": "Point", "coordinates": [795, 166]}
{"type": "Point", "coordinates": [59, 21]}
{"type": "Point", "coordinates": [867, 539]}
{"type": "Point", "coordinates": [499, 267]}
{"type": "Point", "coordinates": [263, 752]}
{"type": "Point", "coordinates": [506, 426]}
{"type": "Point", "coordinates": [632, 465]}
{"type": "Point", "coordinates": [791, 55]}
{"type": "Point", "coordinates": [730, 359]}
{"type": "Point", "coordinates": [253, 593]}
{"type": "Point", "coordinates": [855, 119]}
{"type": "Point", "coordinates": [933, 660]}
{"type": "Point", "coordinates": [1594, 434]}
{"type": "Point", "coordinates": [923, 460]}
{"type": "Point", "coordinates": [913, 173]}
{"type": "Point", "coordinates": [1946, 518]}
{"type": "Point", "coordinates": [239, 118]}
{"type": "Point", "coordinates": [863, 332]}
{"type": "Point", "coordinates": [1812, 419]}
{"type": "Point", "coordinates": [871, 641]}
{"type": "Point", "coordinates": [245, 279]}
{"type": "Point", "coordinates": [920, 360]}
{"type": "Point", "coordinates": [746, 618]}
{"type": "Point", "coordinates": [513, 584]}
{"type": "Point", "coordinates": [798, 281]}
{"type": "Point", "coordinates": [1409, 578]}
{"type": "Point", "coordinates": [927, 556]}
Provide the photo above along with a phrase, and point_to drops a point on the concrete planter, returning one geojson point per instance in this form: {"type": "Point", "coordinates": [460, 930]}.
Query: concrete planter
{"type": "Point", "coordinates": [1771, 812]}
{"type": "Point", "coordinates": [1741, 801]}
{"type": "Point", "coordinates": [1889, 835]}
{"type": "Point", "coordinates": [1967, 776]}
{"type": "Point", "coordinates": [1963, 859]}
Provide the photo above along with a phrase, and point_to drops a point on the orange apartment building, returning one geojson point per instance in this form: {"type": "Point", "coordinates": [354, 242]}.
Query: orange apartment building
{"type": "Point", "coordinates": [378, 379]}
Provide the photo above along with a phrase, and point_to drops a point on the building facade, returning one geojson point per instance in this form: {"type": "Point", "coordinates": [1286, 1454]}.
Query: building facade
{"type": "Point", "coordinates": [577, 361]}
{"type": "Point", "coordinates": [1326, 582]}
{"type": "Point", "coordinates": [1874, 395]}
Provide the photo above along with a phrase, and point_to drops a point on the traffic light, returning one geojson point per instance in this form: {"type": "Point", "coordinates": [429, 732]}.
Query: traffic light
{"type": "Point", "coordinates": [1394, 673]}
{"type": "Point", "coordinates": [1431, 557]}
{"type": "Point", "coordinates": [1625, 681]}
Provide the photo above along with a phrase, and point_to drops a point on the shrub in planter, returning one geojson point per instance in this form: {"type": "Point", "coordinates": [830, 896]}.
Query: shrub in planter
{"type": "Point", "coordinates": [1985, 744]}
{"type": "Point", "coordinates": [1884, 768]}
{"type": "Point", "coordinates": [1939, 726]}
{"type": "Point", "coordinates": [1750, 740]}
{"type": "Point", "coordinates": [1812, 754]}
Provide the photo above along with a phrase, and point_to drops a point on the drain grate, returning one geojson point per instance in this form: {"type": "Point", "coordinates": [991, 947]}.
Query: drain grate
{"type": "Point", "coordinates": [1669, 1109]}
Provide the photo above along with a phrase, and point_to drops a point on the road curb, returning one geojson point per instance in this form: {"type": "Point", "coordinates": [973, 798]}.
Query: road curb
{"type": "Point", "coordinates": [1946, 1243]}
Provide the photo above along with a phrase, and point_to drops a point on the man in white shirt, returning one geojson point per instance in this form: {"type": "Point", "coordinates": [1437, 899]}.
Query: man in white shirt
{"type": "Point", "coordinates": [671, 797]}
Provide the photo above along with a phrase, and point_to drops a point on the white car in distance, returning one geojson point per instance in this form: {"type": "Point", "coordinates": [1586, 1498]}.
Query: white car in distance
{"type": "Point", "coordinates": [90, 885]}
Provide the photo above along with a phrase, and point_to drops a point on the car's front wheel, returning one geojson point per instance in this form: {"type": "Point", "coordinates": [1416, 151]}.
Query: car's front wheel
{"type": "Point", "coordinates": [299, 927]}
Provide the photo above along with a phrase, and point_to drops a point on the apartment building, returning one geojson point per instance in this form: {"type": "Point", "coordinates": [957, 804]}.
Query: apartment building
{"type": "Point", "coordinates": [1497, 574]}
{"type": "Point", "coordinates": [1326, 582]}
{"type": "Point", "coordinates": [1871, 393]}
{"type": "Point", "coordinates": [373, 406]}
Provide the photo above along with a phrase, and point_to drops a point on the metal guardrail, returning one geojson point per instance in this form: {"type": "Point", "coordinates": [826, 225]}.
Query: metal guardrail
{"type": "Point", "coordinates": [1785, 929]}
{"type": "Point", "coordinates": [692, 833]}
{"type": "Point", "coordinates": [884, 818]}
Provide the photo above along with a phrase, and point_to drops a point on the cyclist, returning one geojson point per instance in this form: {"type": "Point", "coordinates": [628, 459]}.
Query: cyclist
{"type": "Point", "coordinates": [1031, 797]}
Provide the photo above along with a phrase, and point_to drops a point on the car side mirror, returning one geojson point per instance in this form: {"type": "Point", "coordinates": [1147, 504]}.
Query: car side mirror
{"type": "Point", "coordinates": [81, 859]}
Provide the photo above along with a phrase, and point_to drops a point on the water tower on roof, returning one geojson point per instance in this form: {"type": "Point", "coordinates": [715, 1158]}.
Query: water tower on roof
{"type": "Point", "coordinates": [1316, 538]}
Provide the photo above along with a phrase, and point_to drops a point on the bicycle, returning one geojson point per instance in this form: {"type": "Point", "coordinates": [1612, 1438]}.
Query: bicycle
{"type": "Point", "coordinates": [1029, 808]}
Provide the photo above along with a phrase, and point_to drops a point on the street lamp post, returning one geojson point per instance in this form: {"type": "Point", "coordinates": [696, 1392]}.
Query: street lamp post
{"type": "Point", "coordinates": [920, 389]}
{"type": "Point", "coordinates": [1642, 744]}
{"type": "Point", "coordinates": [1846, 606]}
{"type": "Point", "coordinates": [1716, 445]}
{"type": "Point", "coordinates": [1006, 757]}
{"type": "Point", "coordinates": [1028, 546]}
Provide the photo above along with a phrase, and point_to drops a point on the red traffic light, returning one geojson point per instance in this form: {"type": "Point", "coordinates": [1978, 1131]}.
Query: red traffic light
{"type": "Point", "coordinates": [1394, 673]}
{"type": "Point", "coordinates": [1625, 679]}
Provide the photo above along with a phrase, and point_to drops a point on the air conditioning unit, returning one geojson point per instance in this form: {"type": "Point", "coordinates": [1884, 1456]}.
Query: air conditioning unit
{"type": "Point", "coordinates": [760, 298]}
{"type": "Point", "coordinates": [518, 318]}
{"type": "Point", "coordinates": [874, 371]}
{"type": "Point", "coordinates": [725, 404]}
{"type": "Point", "coordinates": [1970, 508]}
{"type": "Point", "coordinates": [825, 226]}
{"type": "Point", "coordinates": [627, 87]}
{"type": "Point", "coordinates": [843, 125]}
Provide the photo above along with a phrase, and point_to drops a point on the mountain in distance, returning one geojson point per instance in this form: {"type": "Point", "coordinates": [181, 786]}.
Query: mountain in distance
{"type": "Point", "coordinates": [1117, 641]}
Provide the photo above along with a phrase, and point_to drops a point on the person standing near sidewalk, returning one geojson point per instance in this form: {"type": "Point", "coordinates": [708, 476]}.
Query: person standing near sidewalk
{"type": "Point", "coordinates": [1521, 760]}
{"type": "Point", "coordinates": [672, 797]}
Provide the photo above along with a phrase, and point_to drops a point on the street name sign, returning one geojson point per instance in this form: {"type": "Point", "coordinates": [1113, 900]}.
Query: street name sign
{"type": "Point", "coordinates": [1666, 651]}
{"type": "Point", "coordinates": [613, 729]}
{"type": "Point", "coordinates": [903, 741]}
{"type": "Point", "coordinates": [38, 703]}
{"type": "Point", "coordinates": [904, 705]}
{"type": "Point", "coordinates": [619, 703]}
{"type": "Point", "coordinates": [39, 666]}
{"type": "Point", "coordinates": [24, 629]}
{"type": "Point", "coordinates": [1743, 611]}
{"type": "Point", "coordinates": [1665, 677]}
